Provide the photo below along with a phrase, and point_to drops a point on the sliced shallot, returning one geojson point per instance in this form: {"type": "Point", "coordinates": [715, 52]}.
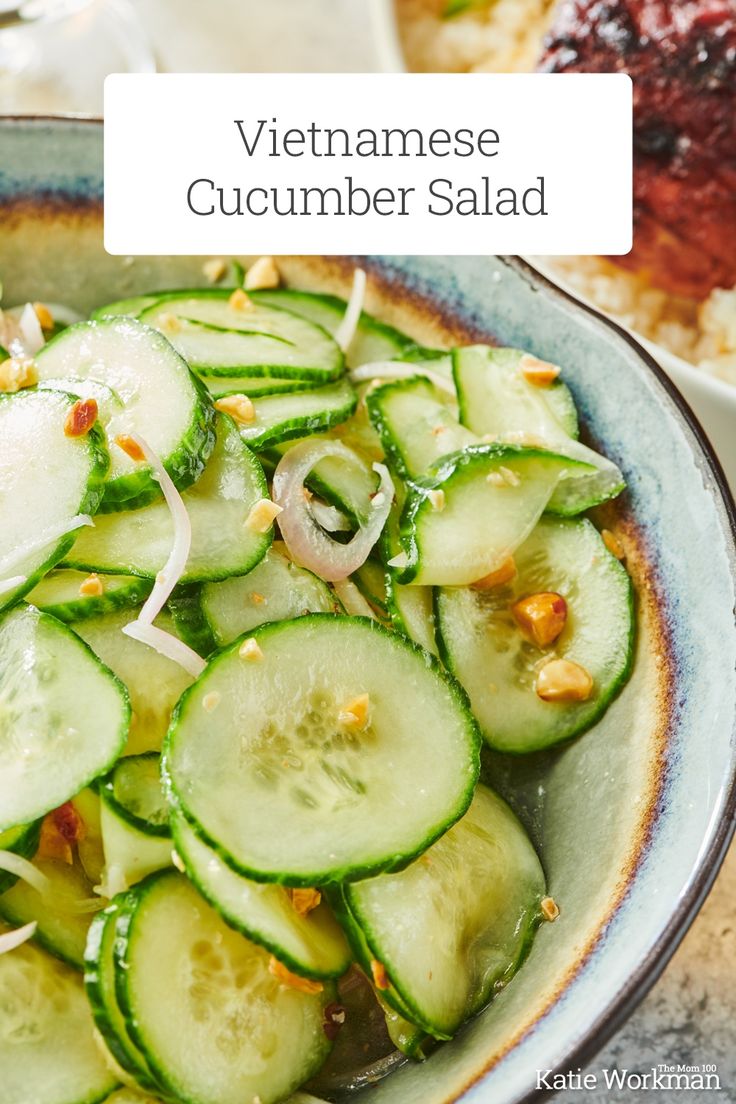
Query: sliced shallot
{"type": "Point", "coordinates": [12, 939]}
{"type": "Point", "coordinates": [345, 332]}
{"type": "Point", "coordinates": [22, 868]}
{"type": "Point", "coordinates": [308, 544]}
{"type": "Point", "coordinates": [398, 369]}
{"type": "Point", "coordinates": [166, 645]}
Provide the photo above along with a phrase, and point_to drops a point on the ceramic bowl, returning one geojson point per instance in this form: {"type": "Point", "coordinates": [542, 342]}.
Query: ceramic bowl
{"type": "Point", "coordinates": [633, 819]}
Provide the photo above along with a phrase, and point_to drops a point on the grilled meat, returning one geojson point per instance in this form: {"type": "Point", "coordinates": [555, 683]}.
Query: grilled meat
{"type": "Point", "coordinates": [681, 55]}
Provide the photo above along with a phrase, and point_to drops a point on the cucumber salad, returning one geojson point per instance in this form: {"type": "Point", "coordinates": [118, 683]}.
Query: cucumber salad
{"type": "Point", "coordinates": [274, 579]}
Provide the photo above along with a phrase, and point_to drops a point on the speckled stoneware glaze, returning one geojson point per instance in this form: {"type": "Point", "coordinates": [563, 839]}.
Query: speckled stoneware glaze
{"type": "Point", "coordinates": [633, 819]}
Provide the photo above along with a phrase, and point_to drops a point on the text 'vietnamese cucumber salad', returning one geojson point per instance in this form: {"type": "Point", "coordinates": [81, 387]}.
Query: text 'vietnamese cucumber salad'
{"type": "Point", "coordinates": [271, 574]}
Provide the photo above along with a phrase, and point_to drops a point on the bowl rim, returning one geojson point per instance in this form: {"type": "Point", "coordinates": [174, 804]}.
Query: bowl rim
{"type": "Point", "coordinates": [643, 977]}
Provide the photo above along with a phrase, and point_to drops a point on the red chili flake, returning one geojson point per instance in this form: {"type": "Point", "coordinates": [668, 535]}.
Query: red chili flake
{"type": "Point", "coordinates": [335, 1016]}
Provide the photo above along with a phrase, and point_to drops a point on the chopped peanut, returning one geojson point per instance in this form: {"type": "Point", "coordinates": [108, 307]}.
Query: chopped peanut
{"type": "Point", "coordinates": [263, 274]}
{"type": "Point", "coordinates": [210, 701]}
{"type": "Point", "coordinates": [303, 985]}
{"type": "Point", "coordinates": [539, 372]}
{"type": "Point", "coordinates": [168, 322]}
{"type": "Point", "coordinates": [562, 680]}
{"type": "Point", "coordinates": [305, 900]}
{"type": "Point", "coordinates": [541, 617]}
{"type": "Point", "coordinates": [496, 479]}
{"type": "Point", "coordinates": [379, 975]}
{"type": "Point", "coordinates": [438, 430]}
{"type": "Point", "coordinates": [503, 574]}
{"type": "Point", "coordinates": [130, 447]}
{"type": "Point", "coordinates": [81, 418]}
{"type": "Point", "coordinates": [250, 649]}
{"type": "Point", "coordinates": [262, 515]}
{"type": "Point", "coordinates": [549, 908]}
{"type": "Point", "coordinates": [238, 407]}
{"type": "Point", "coordinates": [44, 316]}
{"type": "Point", "coordinates": [92, 587]}
{"type": "Point", "coordinates": [437, 498]}
{"type": "Point", "coordinates": [240, 301]}
{"type": "Point", "coordinates": [355, 713]}
{"type": "Point", "coordinates": [510, 477]}
{"type": "Point", "coordinates": [61, 829]}
{"type": "Point", "coordinates": [257, 599]}
{"type": "Point", "coordinates": [15, 374]}
{"type": "Point", "coordinates": [613, 544]}
{"type": "Point", "coordinates": [214, 270]}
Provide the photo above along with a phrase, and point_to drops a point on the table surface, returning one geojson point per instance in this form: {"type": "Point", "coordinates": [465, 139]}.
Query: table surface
{"type": "Point", "coordinates": [689, 1017]}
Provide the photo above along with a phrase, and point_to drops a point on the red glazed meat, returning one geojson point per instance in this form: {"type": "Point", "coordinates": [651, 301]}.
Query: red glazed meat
{"type": "Point", "coordinates": [681, 55]}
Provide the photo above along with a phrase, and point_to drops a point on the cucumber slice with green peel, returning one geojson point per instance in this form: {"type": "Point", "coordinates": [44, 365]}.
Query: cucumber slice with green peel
{"type": "Point", "coordinates": [58, 593]}
{"type": "Point", "coordinates": [275, 590]}
{"type": "Point", "coordinates": [126, 1095]}
{"type": "Point", "coordinates": [373, 340]}
{"type": "Point", "coordinates": [130, 308]}
{"type": "Point", "coordinates": [215, 1025]}
{"type": "Point", "coordinates": [104, 396]}
{"type": "Point", "coordinates": [411, 609]}
{"type": "Point", "coordinates": [491, 498]}
{"type": "Point", "coordinates": [138, 542]}
{"type": "Point", "coordinates": [406, 1037]}
{"type": "Point", "coordinates": [99, 983]}
{"type": "Point", "coordinates": [282, 417]}
{"type": "Point", "coordinates": [131, 854]}
{"type": "Point", "coordinates": [217, 339]}
{"type": "Point", "coordinates": [47, 480]}
{"type": "Point", "coordinates": [219, 386]}
{"type": "Point", "coordinates": [161, 401]}
{"type": "Point", "coordinates": [62, 915]}
{"type": "Point", "coordinates": [312, 945]}
{"type": "Point", "coordinates": [475, 895]}
{"type": "Point", "coordinates": [154, 681]}
{"type": "Point", "coordinates": [290, 758]}
{"type": "Point", "coordinates": [416, 426]}
{"type": "Point", "coordinates": [48, 1053]}
{"type": "Point", "coordinates": [482, 644]}
{"type": "Point", "coordinates": [185, 607]}
{"type": "Point", "coordinates": [495, 398]}
{"type": "Point", "coordinates": [370, 580]}
{"type": "Point", "coordinates": [436, 360]}
{"type": "Point", "coordinates": [21, 841]}
{"type": "Point", "coordinates": [58, 704]}
{"type": "Point", "coordinates": [134, 791]}
{"type": "Point", "coordinates": [496, 401]}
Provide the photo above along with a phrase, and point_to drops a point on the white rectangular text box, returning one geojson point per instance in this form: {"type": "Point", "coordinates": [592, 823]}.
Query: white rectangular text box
{"type": "Point", "coordinates": [367, 163]}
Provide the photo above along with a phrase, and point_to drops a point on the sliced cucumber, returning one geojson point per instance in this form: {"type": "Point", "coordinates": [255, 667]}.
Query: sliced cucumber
{"type": "Point", "coordinates": [21, 841]}
{"type": "Point", "coordinates": [130, 853]}
{"type": "Point", "coordinates": [370, 580]}
{"type": "Point", "coordinates": [215, 1025]}
{"type": "Point", "coordinates": [130, 308]}
{"type": "Point", "coordinates": [373, 340]}
{"type": "Point", "coordinates": [58, 704]}
{"type": "Point", "coordinates": [133, 789]}
{"type": "Point", "coordinates": [328, 783]}
{"type": "Point", "coordinates": [154, 682]}
{"type": "Point", "coordinates": [496, 401]}
{"type": "Point", "coordinates": [48, 1053]}
{"type": "Point", "coordinates": [46, 480]}
{"type": "Point", "coordinates": [411, 609]}
{"type": "Point", "coordinates": [138, 542]}
{"type": "Point", "coordinates": [312, 945]}
{"type": "Point", "coordinates": [497, 665]}
{"type": "Point", "coordinates": [126, 1095]}
{"type": "Point", "coordinates": [252, 386]}
{"type": "Point", "coordinates": [59, 594]}
{"type": "Point", "coordinates": [406, 1037]}
{"type": "Point", "coordinates": [161, 401]}
{"type": "Point", "coordinates": [275, 590]}
{"type": "Point", "coordinates": [282, 417]}
{"type": "Point", "coordinates": [493, 393]}
{"type": "Point", "coordinates": [453, 928]}
{"type": "Point", "coordinates": [185, 607]}
{"type": "Point", "coordinates": [415, 424]}
{"type": "Point", "coordinates": [99, 983]}
{"type": "Point", "coordinates": [62, 915]}
{"type": "Point", "coordinates": [217, 339]}
{"type": "Point", "coordinates": [491, 497]}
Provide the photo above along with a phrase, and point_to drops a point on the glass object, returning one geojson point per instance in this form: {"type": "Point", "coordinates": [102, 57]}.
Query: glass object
{"type": "Point", "coordinates": [55, 54]}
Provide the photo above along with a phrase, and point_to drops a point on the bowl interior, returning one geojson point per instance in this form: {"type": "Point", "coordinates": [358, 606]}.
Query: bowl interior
{"type": "Point", "coordinates": [632, 819]}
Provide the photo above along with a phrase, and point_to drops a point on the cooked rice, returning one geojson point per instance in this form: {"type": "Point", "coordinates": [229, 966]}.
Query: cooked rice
{"type": "Point", "coordinates": [702, 333]}
{"type": "Point", "coordinates": [505, 36]}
